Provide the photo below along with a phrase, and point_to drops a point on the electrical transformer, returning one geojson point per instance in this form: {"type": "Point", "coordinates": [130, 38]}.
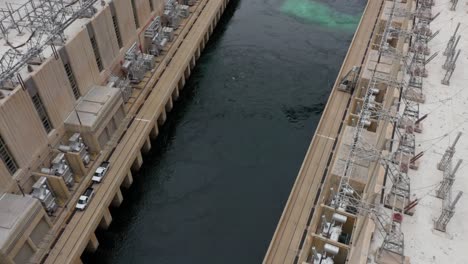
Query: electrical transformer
{"type": "Point", "coordinates": [43, 192]}
{"type": "Point", "coordinates": [59, 167]}
{"type": "Point", "coordinates": [76, 145]}
{"type": "Point", "coordinates": [123, 84]}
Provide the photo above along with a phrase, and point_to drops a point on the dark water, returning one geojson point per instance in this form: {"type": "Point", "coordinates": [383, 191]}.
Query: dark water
{"type": "Point", "coordinates": [214, 185]}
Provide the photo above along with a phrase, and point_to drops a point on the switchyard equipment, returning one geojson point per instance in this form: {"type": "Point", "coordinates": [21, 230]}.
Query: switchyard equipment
{"type": "Point", "coordinates": [77, 145]}
{"type": "Point", "coordinates": [171, 16]}
{"type": "Point", "coordinates": [448, 154]}
{"type": "Point", "coordinates": [123, 84]}
{"type": "Point", "coordinates": [155, 37]}
{"type": "Point", "coordinates": [450, 66]}
{"type": "Point", "coordinates": [389, 102]}
{"type": "Point", "coordinates": [168, 33]}
{"type": "Point", "coordinates": [348, 83]}
{"type": "Point", "coordinates": [334, 229]}
{"type": "Point", "coordinates": [59, 167]}
{"type": "Point", "coordinates": [184, 11]}
{"type": "Point", "coordinates": [396, 162]}
{"type": "Point", "coordinates": [450, 44]}
{"type": "Point", "coordinates": [325, 257]}
{"type": "Point", "coordinates": [43, 192]}
{"type": "Point", "coordinates": [452, 56]}
{"type": "Point", "coordinates": [136, 64]}
{"type": "Point", "coordinates": [45, 21]}
{"type": "Point", "coordinates": [448, 210]}
{"type": "Point", "coordinates": [449, 178]}
{"type": "Point", "coordinates": [453, 5]}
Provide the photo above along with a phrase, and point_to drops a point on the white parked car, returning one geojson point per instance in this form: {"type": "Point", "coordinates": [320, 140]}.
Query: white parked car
{"type": "Point", "coordinates": [101, 172]}
{"type": "Point", "coordinates": [84, 199]}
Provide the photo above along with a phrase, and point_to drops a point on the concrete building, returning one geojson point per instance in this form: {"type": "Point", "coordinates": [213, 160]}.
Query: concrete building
{"type": "Point", "coordinates": [97, 116]}
{"type": "Point", "coordinates": [23, 226]}
{"type": "Point", "coordinates": [51, 84]}
{"type": "Point", "coordinates": [79, 86]}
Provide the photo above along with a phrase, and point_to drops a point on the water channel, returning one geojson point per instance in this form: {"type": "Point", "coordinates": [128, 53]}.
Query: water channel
{"type": "Point", "coordinates": [215, 183]}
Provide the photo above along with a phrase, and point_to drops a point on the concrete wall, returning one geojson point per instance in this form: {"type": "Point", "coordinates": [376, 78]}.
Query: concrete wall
{"type": "Point", "coordinates": [21, 128]}
{"type": "Point", "coordinates": [82, 61]}
{"type": "Point", "coordinates": [6, 180]}
{"type": "Point", "coordinates": [158, 7]}
{"type": "Point", "coordinates": [126, 23]}
{"type": "Point", "coordinates": [55, 90]}
{"type": "Point", "coordinates": [105, 36]}
{"type": "Point", "coordinates": [38, 225]}
{"type": "Point", "coordinates": [143, 11]}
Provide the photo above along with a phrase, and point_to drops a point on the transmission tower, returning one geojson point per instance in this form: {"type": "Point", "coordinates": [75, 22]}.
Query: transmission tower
{"type": "Point", "coordinates": [449, 178]}
{"type": "Point", "coordinates": [450, 55]}
{"type": "Point", "coordinates": [450, 68]}
{"type": "Point", "coordinates": [346, 197]}
{"type": "Point", "coordinates": [449, 152]}
{"type": "Point", "coordinates": [448, 211]}
{"type": "Point", "coordinates": [453, 5]}
{"type": "Point", "coordinates": [451, 41]}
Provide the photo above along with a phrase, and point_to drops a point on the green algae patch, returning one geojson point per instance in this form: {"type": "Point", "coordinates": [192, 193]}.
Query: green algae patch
{"type": "Point", "coordinates": [321, 14]}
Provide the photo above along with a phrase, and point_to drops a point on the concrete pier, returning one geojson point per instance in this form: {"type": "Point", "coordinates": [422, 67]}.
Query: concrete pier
{"type": "Point", "coordinates": [146, 146]}
{"type": "Point", "coordinates": [106, 219]}
{"type": "Point", "coordinates": [93, 243]}
{"type": "Point", "coordinates": [137, 162]}
{"type": "Point", "coordinates": [118, 199]}
{"type": "Point", "coordinates": [162, 118]}
{"type": "Point", "coordinates": [128, 180]}
{"type": "Point", "coordinates": [154, 132]}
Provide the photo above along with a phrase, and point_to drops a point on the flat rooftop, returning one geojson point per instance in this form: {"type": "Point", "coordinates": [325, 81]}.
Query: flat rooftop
{"type": "Point", "coordinates": [91, 107]}
{"type": "Point", "coordinates": [14, 211]}
{"type": "Point", "coordinates": [25, 29]}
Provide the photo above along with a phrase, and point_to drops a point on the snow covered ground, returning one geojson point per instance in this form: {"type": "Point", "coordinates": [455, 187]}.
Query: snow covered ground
{"type": "Point", "coordinates": [447, 107]}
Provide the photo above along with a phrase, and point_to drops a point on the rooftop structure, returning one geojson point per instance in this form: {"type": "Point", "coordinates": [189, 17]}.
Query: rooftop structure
{"type": "Point", "coordinates": [96, 116]}
{"type": "Point", "coordinates": [91, 108]}
{"type": "Point", "coordinates": [23, 225]}
{"type": "Point", "coordinates": [31, 30]}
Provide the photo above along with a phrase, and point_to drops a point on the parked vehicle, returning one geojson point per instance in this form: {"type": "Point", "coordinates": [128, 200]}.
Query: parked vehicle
{"type": "Point", "coordinates": [85, 198]}
{"type": "Point", "coordinates": [100, 172]}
